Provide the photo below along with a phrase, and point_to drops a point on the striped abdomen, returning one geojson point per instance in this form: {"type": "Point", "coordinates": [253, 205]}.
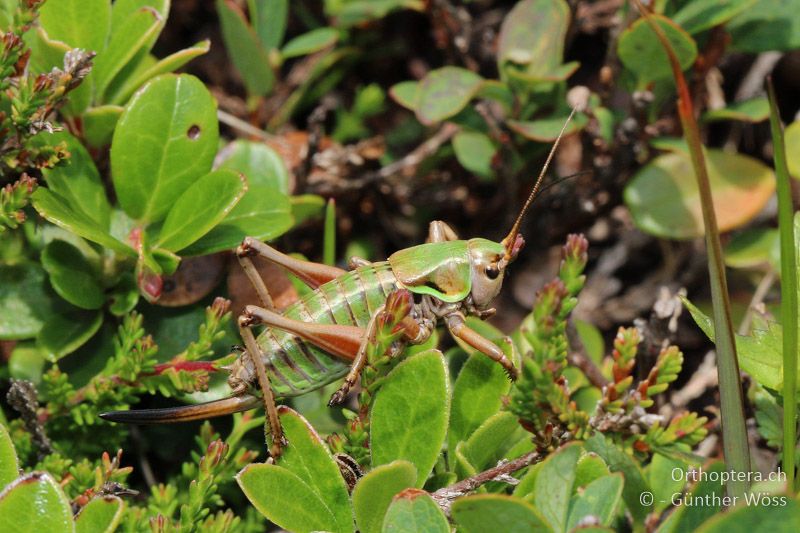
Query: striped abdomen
{"type": "Point", "coordinates": [296, 366]}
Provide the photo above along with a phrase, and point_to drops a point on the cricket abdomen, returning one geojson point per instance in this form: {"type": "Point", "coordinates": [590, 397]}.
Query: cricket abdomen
{"type": "Point", "coordinates": [296, 366]}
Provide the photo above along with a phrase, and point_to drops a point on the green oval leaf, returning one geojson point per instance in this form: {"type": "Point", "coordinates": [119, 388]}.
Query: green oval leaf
{"type": "Point", "coordinates": [492, 513]}
{"type": "Point", "coordinates": [414, 511]}
{"type": "Point", "coordinates": [619, 461]}
{"type": "Point", "coordinates": [270, 18]}
{"type": "Point", "coordinates": [78, 23]}
{"type": "Point", "coordinates": [165, 139]}
{"type": "Point", "coordinates": [77, 179]}
{"type": "Point", "coordinates": [766, 25]}
{"type": "Point", "coordinates": [66, 331]}
{"type": "Point", "coordinates": [689, 517]}
{"type": "Point", "coordinates": [531, 41]}
{"type": "Point", "coordinates": [244, 49]}
{"type": "Point", "coordinates": [410, 412]}
{"type": "Point", "coordinates": [553, 487]}
{"type": "Point", "coordinates": [599, 499]}
{"type": "Point", "coordinates": [27, 362]}
{"type": "Point", "coordinates": [777, 514]}
{"type": "Point", "coordinates": [754, 248]}
{"type": "Point", "coordinates": [753, 110]}
{"type": "Point", "coordinates": [261, 164]}
{"type": "Point", "coordinates": [201, 207]}
{"type": "Point", "coordinates": [490, 442]}
{"type": "Point", "coordinates": [9, 464]}
{"type": "Point", "coordinates": [406, 93]}
{"type": "Point", "coordinates": [25, 301]}
{"type": "Point", "coordinates": [641, 52]}
{"type": "Point", "coordinates": [285, 499]}
{"type": "Point", "coordinates": [475, 151]}
{"type": "Point", "coordinates": [477, 395]}
{"type": "Point", "coordinates": [310, 42]}
{"type": "Point", "coordinates": [101, 515]}
{"type": "Point", "coordinates": [135, 34]}
{"type": "Point", "coordinates": [702, 15]}
{"type": "Point", "coordinates": [170, 63]}
{"type": "Point", "coordinates": [373, 493]}
{"type": "Point", "coordinates": [57, 210]}
{"type": "Point", "coordinates": [72, 276]}
{"type": "Point", "coordinates": [664, 199]}
{"type": "Point", "coordinates": [35, 502]}
{"type": "Point", "coordinates": [263, 213]}
{"type": "Point", "coordinates": [446, 91]}
{"type": "Point", "coordinates": [309, 458]}
{"type": "Point", "coordinates": [99, 123]}
{"type": "Point", "coordinates": [546, 130]}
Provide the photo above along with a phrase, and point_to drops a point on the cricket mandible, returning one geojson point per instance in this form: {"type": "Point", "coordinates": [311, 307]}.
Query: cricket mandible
{"type": "Point", "coordinates": [324, 335]}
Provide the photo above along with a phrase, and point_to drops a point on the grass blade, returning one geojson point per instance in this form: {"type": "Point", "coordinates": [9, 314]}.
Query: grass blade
{"type": "Point", "coordinates": [788, 290]}
{"type": "Point", "coordinates": [329, 237]}
{"type": "Point", "coordinates": [734, 432]}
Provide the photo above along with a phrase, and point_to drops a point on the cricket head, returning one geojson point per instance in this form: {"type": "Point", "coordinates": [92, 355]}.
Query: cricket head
{"type": "Point", "coordinates": [489, 259]}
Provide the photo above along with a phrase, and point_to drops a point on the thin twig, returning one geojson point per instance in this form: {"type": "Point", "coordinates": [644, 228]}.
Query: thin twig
{"type": "Point", "coordinates": [758, 297]}
{"type": "Point", "coordinates": [410, 162]}
{"type": "Point", "coordinates": [444, 497]}
{"type": "Point", "coordinates": [244, 127]}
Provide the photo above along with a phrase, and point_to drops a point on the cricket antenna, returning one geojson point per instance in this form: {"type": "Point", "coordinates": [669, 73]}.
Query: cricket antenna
{"type": "Point", "coordinates": [510, 241]}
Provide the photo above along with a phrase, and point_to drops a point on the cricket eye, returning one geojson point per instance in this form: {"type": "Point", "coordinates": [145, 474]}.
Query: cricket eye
{"type": "Point", "coordinates": [492, 271]}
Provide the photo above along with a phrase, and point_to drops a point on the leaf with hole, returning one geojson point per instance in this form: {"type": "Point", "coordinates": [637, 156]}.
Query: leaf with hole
{"type": "Point", "coordinates": [664, 200]}
{"type": "Point", "coordinates": [165, 140]}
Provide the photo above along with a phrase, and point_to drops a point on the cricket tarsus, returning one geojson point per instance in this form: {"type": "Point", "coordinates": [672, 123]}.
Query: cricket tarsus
{"type": "Point", "coordinates": [324, 336]}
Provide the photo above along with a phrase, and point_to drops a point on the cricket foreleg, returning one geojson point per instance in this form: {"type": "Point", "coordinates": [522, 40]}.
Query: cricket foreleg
{"type": "Point", "coordinates": [439, 231]}
{"type": "Point", "coordinates": [458, 328]}
{"type": "Point", "coordinates": [312, 274]}
{"type": "Point", "coordinates": [268, 397]}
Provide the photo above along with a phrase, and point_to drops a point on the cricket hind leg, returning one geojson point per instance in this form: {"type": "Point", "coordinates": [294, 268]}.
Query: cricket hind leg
{"type": "Point", "coordinates": [267, 396]}
{"type": "Point", "coordinates": [312, 274]}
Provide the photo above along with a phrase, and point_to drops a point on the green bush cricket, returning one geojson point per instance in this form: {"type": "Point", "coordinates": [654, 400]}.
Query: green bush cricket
{"type": "Point", "coordinates": [325, 334]}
